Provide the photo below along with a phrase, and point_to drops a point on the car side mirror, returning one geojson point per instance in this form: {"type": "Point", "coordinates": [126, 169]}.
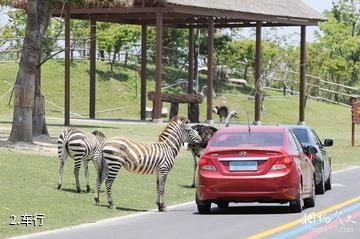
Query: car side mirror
{"type": "Point", "coordinates": [310, 150]}
{"type": "Point", "coordinates": [328, 142]}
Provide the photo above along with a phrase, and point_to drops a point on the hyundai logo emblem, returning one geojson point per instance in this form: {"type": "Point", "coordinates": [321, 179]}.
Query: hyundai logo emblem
{"type": "Point", "coordinates": [243, 154]}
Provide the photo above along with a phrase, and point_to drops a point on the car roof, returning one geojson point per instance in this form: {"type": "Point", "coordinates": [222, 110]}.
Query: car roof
{"type": "Point", "coordinates": [295, 126]}
{"type": "Point", "coordinates": [253, 128]}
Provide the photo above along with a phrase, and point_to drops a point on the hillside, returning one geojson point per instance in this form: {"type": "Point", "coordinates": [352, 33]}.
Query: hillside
{"type": "Point", "coordinates": [118, 97]}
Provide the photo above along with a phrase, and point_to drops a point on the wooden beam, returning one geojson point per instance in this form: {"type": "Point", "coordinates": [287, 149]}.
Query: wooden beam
{"type": "Point", "coordinates": [143, 72]}
{"type": "Point", "coordinates": [245, 16]}
{"type": "Point", "coordinates": [210, 72]}
{"type": "Point", "coordinates": [119, 10]}
{"type": "Point", "coordinates": [158, 62]}
{"type": "Point", "coordinates": [302, 75]}
{"type": "Point", "coordinates": [67, 65]}
{"type": "Point", "coordinates": [92, 68]}
{"type": "Point", "coordinates": [258, 83]}
{"type": "Point", "coordinates": [191, 61]}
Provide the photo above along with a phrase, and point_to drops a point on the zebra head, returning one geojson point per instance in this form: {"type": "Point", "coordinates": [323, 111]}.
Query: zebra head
{"type": "Point", "coordinates": [190, 135]}
{"type": "Point", "coordinates": [99, 135]}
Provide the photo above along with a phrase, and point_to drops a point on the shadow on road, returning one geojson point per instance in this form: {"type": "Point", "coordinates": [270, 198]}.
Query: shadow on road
{"type": "Point", "coordinates": [249, 210]}
{"type": "Point", "coordinates": [125, 209]}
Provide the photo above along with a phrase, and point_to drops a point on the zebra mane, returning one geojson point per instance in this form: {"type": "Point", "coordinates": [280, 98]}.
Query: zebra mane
{"type": "Point", "coordinates": [175, 122]}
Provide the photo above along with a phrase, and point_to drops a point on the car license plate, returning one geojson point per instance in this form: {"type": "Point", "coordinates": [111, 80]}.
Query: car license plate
{"type": "Point", "coordinates": [243, 166]}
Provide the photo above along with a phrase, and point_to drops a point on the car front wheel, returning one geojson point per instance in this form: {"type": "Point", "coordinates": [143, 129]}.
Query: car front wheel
{"type": "Point", "coordinates": [320, 188]}
{"type": "Point", "coordinates": [310, 202]}
{"type": "Point", "coordinates": [328, 183]}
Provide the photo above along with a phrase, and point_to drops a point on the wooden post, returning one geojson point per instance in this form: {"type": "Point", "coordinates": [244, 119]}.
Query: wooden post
{"type": "Point", "coordinates": [258, 87]}
{"type": "Point", "coordinates": [191, 61]}
{"type": "Point", "coordinates": [353, 134]}
{"type": "Point", "coordinates": [302, 76]}
{"type": "Point", "coordinates": [143, 71]}
{"type": "Point", "coordinates": [210, 71]}
{"type": "Point", "coordinates": [159, 30]}
{"type": "Point", "coordinates": [92, 68]}
{"type": "Point", "coordinates": [193, 109]}
{"type": "Point", "coordinates": [174, 110]}
{"type": "Point", "coordinates": [353, 100]}
{"type": "Point", "coordinates": [67, 65]}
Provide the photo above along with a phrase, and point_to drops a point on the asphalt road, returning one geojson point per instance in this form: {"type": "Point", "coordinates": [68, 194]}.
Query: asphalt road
{"type": "Point", "coordinates": [336, 215]}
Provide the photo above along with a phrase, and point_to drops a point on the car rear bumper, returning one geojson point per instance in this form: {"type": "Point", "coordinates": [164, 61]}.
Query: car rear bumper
{"type": "Point", "coordinates": [276, 186]}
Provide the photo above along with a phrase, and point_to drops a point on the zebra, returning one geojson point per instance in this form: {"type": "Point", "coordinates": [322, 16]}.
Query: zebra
{"type": "Point", "coordinates": [206, 132]}
{"type": "Point", "coordinates": [142, 158]}
{"type": "Point", "coordinates": [79, 146]}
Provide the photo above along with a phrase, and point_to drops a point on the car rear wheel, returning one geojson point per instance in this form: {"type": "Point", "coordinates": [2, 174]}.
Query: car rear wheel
{"type": "Point", "coordinates": [223, 205]}
{"type": "Point", "coordinates": [203, 207]}
{"type": "Point", "coordinates": [310, 202]}
{"type": "Point", "coordinates": [297, 204]}
{"type": "Point", "coordinates": [328, 183]}
{"type": "Point", "coordinates": [320, 188]}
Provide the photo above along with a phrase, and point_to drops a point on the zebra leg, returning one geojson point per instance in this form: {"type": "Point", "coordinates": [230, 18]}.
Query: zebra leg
{"type": "Point", "coordinates": [99, 180]}
{"type": "Point", "coordinates": [76, 174]}
{"type": "Point", "coordinates": [102, 173]}
{"type": "Point", "coordinates": [160, 185]}
{"type": "Point", "coordinates": [62, 157]}
{"type": "Point", "coordinates": [86, 169]}
{"type": "Point", "coordinates": [109, 181]}
{"type": "Point", "coordinates": [195, 166]}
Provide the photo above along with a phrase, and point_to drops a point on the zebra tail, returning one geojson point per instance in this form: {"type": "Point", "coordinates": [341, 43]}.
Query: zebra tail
{"type": "Point", "coordinates": [104, 171]}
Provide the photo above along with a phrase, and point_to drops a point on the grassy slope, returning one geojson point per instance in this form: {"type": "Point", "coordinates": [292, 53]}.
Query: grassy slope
{"type": "Point", "coordinates": [29, 189]}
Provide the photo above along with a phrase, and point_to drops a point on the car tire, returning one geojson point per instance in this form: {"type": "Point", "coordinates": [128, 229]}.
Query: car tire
{"type": "Point", "coordinates": [320, 188]}
{"type": "Point", "coordinates": [328, 183]}
{"type": "Point", "coordinates": [223, 205]}
{"type": "Point", "coordinates": [297, 204]}
{"type": "Point", "coordinates": [203, 207]}
{"type": "Point", "coordinates": [310, 202]}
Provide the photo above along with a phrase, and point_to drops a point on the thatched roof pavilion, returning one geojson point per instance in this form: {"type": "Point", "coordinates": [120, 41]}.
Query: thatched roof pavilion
{"type": "Point", "coordinates": [186, 14]}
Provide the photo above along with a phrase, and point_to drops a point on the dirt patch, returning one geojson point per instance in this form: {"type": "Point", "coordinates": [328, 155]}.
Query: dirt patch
{"type": "Point", "coordinates": [42, 145]}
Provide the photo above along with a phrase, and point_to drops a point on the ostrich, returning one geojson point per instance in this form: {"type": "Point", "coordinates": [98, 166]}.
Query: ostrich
{"type": "Point", "coordinates": [222, 111]}
{"type": "Point", "coordinates": [206, 132]}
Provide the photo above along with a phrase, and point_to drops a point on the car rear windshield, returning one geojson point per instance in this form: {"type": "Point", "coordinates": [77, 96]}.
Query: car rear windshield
{"type": "Point", "coordinates": [236, 139]}
{"type": "Point", "coordinates": [301, 134]}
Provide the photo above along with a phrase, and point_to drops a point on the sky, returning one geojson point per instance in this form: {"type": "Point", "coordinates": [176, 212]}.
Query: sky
{"type": "Point", "coordinates": [319, 5]}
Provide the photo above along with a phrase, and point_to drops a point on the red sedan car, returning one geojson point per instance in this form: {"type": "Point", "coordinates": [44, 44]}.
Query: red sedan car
{"type": "Point", "coordinates": [255, 164]}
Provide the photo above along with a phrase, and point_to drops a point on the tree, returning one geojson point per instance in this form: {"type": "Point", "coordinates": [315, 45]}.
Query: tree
{"type": "Point", "coordinates": [28, 100]}
{"type": "Point", "coordinates": [339, 39]}
{"type": "Point", "coordinates": [29, 104]}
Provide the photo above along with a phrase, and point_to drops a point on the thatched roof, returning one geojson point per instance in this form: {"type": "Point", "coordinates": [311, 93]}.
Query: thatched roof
{"type": "Point", "coordinates": [281, 12]}
{"type": "Point", "coordinates": [74, 3]}
{"type": "Point", "coordinates": [281, 8]}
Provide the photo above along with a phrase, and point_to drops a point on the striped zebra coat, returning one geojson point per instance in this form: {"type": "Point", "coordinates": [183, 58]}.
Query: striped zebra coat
{"type": "Point", "coordinates": [144, 158]}
{"type": "Point", "coordinates": [82, 147]}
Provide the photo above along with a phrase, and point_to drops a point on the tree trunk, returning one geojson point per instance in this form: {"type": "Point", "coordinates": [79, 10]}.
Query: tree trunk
{"type": "Point", "coordinates": [38, 118]}
{"type": "Point", "coordinates": [38, 13]}
{"type": "Point", "coordinates": [102, 55]}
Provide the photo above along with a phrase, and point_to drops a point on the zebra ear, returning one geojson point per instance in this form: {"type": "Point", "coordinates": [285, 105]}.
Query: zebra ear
{"type": "Point", "coordinates": [174, 118]}
{"type": "Point", "coordinates": [184, 120]}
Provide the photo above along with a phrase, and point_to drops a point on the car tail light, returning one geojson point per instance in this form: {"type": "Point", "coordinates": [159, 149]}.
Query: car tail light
{"type": "Point", "coordinates": [206, 164]}
{"type": "Point", "coordinates": [282, 162]}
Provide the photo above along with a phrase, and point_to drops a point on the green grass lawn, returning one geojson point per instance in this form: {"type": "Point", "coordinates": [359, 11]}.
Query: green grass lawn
{"type": "Point", "coordinates": [28, 181]}
{"type": "Point", "coordinates": [28, 185]}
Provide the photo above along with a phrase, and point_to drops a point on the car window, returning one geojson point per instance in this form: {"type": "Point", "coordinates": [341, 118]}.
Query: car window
{"type": "Point", "coordinates": [297, 142]}
{"type": "Point", "coordinates": [301, 135]}
{"type": "Point", "coordinates": [292, 142]}
{"type": "Point", "coordinates": [236, 139]}
{"type": "Point", "coordinates": [316, 138]}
